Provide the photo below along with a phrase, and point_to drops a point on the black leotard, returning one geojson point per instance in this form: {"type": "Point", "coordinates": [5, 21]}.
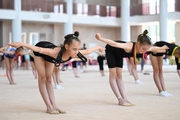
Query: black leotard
{"type": "Point", "coordinates": [46, 44]}
{"type": "Point", "coordinates": [31, 58]}
{"type": "Point", "coordinates": [115, 55]}
{"type": "Point", "coordinates": [162, 43]}
{"type": "Point", "coordinates": [58, 60]}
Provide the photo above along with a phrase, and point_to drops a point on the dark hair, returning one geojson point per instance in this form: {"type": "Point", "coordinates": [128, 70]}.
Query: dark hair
{"type": "Point", "coordinates": [144, 38]}
{"type": "Point", "coordinates": [19, 48]}
{"type": "Point", "coordinates": [70, 37]}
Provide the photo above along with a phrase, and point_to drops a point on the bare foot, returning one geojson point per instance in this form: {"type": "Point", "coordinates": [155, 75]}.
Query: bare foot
{"type": "Point", "coordinates": [50, 111]}
{"type": "Point", "coordinates": [12, 83]}
{"type": "Point", "coordinates": [60, 111]}
{"type": "Point", "coordinates": [76, 76]}
{"type": "Point", "coordinates": [122, 102]}
{"type": "Point", "coordinates": [129, 102]}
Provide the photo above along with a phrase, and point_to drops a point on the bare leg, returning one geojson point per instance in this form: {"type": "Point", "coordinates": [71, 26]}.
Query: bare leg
{"type": "Point", "coordinates": [81, 67]}
{"type": "Point", "coordinates": [134, 71]}
{"type": "Point", "coordinates": [41, 69]}
{"type": "Point", "coordinates": [75, 72]}
{"type": "Point", "coordinates": [57, 73]}
{"type": "Point", "coordinates": [129, 67]}
{"type": "Point", "coordinates": [158, 75]}
{"type": "Point", "coordinates": [34, 70]}
{"type": "Point", "coordinates": [8, 69]}
{"type": "Point", "coordinates": [154, 61]}
{"type": "Point", "coordinates": [120, 84]}
{"type": "Point", "coordinates": [11, 61]}
{"type": "Point", "coordinates": [49, 71]}
{"type": "Point", "coordinates": [161, 78]}
{"type": "Point", "coordinates": [56, 78]}
{"type": "Point", "coordinates": [116, 85]}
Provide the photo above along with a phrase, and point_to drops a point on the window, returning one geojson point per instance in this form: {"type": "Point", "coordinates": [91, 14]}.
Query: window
{"type": "Point", "coordinates": [97, 10]}
{"type": "Point", "coordinates": [56, 9]}
{"type": "Point", "coordinates": [79, 8]}
{"type": "Point", "coordinates": [113, 11]}
{"type": "Point", "coordinates": [171, 5]}
{"type": "Point", "coordinates": [85, 9]}
{"type": "Point", "coordinates": [152, 6]}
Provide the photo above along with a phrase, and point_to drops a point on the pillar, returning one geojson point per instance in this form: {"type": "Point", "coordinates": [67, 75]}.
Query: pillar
{"type": "Point", "coordinates": [68, 26]}
{"type": "Point", "coordinates": [125, 23]}
{"type": "Point", "coordinates": [16, 22]}
{"type": "Point", "coordinates": [163, 21]}
{"type": "Point", "coordinates": [177, 35]}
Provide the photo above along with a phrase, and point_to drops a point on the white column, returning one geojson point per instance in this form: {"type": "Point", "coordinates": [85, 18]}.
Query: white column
{"type": "Point", "coordinates": [68, 26]}
{"type": "Point", "coordinates": [125, 22]}
{"type": "Point", "coordinates": [16, 22]}
{"type": "Point", "coordinates": [163, 21]}
{"type": "Point", "coordinates": [177, 29]}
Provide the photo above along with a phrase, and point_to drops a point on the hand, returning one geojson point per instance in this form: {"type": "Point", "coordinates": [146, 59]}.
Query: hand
{"type": "Point", "coordinates": [101, 49]}
{"type": "Point", "coordinates": [15, 44]}
{"type": "Point", "coordinates": [98, 36]}
{"type": "Point", "coordinates": [165, 47]}
{"type": "Point", "coordinates": [4, 48]}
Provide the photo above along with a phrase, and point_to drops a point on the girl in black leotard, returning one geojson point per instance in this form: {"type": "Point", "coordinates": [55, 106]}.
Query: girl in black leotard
{"type": "Point", "coordinates": [46, 56]}
{"type": "Point", "coordinates": [157, 62]}
{"type": "Point", "coordinates": [115, 51]}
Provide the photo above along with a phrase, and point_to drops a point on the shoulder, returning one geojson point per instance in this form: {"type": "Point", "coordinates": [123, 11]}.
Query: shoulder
{"type": "Point", "coordinates": [130, 43]}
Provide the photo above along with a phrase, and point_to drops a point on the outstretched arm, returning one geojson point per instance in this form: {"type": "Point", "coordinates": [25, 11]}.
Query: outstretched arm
{"type": "Point", "coordinates": [90, 50]}
{"type": "Point", "coordinates": [28, 46]}
{"type": "Point", "coordinates": [156, 49]}
{"type": "Point", "coordinates": [111, 42]}
{"type": "Point", "coordinates": [46, 51]}
{"type": "Point", "coordinates": [3, 48]}
{"type": "Point", "coordinates": [100, 54]}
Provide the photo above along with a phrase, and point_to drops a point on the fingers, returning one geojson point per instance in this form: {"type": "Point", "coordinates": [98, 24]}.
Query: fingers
{"type": "Point", "coordinates": [166, 47]}
{"type": "Point", "coordinates": [98, 36]}
{"type": "Point", "coordinates": [101, 49]}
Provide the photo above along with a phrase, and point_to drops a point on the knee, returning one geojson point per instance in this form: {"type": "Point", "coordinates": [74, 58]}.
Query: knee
{"type": "Point", "coordinates": [156, 70]}
{"type": "Point", "coordinates": [56, 70]}
{"type": "Point", "coordinates": [160, 71]}
{"type": "Point", "coordinates": [42, 78]}
{"type": "Point", "coordinates": [119, 76]}
{"type": "Point", "coordinates": [8, 68]}
{"type": "Point", "coordinates": [49, 79]}
{"type": "Point", "coordinates": [113, 76]}
{"type": "Point", "coordinates": [134, 67]}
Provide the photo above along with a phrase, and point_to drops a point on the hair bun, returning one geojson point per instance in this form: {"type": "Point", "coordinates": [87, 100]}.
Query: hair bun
{"type": "Point", "coordinates": [145, 32]}
{"type": "Point", "coordinates": [76, 33]}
